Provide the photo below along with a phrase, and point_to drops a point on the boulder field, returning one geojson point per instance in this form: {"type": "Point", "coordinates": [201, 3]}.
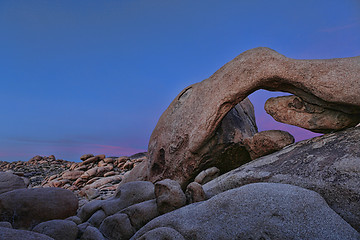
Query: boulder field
{"type": "Point", "coordinates": [208, 172]}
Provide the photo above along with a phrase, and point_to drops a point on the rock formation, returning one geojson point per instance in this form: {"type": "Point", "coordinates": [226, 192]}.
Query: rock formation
{"type": "Point", "coordinates": [295, 111]}
{"type": "Point", "coordinates": [256, 211]}
{"type": "Point", "coordinates": [183, 133]}
{"type": "Point", "coordinates": [329, 165]}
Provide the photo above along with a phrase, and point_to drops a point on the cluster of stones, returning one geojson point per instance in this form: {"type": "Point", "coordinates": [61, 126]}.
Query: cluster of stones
{"type": "Point", "coordinates": [36, 169]}
{"type": "Point", "coordinates": [96, 177]}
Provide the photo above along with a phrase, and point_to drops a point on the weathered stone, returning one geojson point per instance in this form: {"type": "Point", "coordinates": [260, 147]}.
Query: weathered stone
{"type": "Point", "coordinates": [266, 142]}
{"type": "Point", "coordinates": [96, 219]}
{"type": "Point", "coordinates": [194, 193]}
{"type": "Point", "coordinates": [207, 175]}
{"type": "Point", "coordinates": [186, 128]}
{"type": "Point", "coordinates": [92, 233]}
{"type": "Point", "coordinates": [257, 211]}
{"type": "Point", "coordinates": [5, 225]}
{"type": "Point", "coordinates": [72, 175]}
{"type": "Point", "coordinates": [25, 208]}
{"type": "Point", "coordinates": [75, 219]}
{"type": "Point", "coordinates": [125, 196]}
{"type": "Point", "coordinates": [58, 229]}
{"type": "Point", "coordinates": [329, 165]}
{"type": "Point", "coordinates": [117, 227]}
{"type": "Point", "coordinates": [169, 196]}
{"type": "Point", "coordinates": [14, 234]}
{"type": "Point", "coordinates": [141, 213]}
{"type": "Point", "coordinates": [86, 156]}
{"type": "Point", "coordinates": [162, 233]}
{"type": "Point", "coordinates": [295, 111]}
{"type": "Point", "coordinates": [9, 182]}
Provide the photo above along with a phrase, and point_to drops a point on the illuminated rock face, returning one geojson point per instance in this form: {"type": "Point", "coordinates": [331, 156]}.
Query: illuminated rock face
{"type": "Point", "coordinates": [184, 131]}
{"type": "Point", "coordinates": [293, 110]}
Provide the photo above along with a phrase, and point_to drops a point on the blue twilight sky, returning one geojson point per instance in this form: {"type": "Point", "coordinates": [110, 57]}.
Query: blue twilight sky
{"type": "Point", "coordinates": [94, 76]}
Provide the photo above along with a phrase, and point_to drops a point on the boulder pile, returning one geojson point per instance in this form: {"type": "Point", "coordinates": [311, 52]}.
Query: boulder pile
{"type": "Point", "coordinates": [209, 173]}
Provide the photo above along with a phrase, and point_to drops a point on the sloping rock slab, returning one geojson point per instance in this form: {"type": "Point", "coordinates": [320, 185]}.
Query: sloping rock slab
{"type": "Point", "coordinates": [329, 165]}
{"type": "Point", "coordinates": [257, 211]}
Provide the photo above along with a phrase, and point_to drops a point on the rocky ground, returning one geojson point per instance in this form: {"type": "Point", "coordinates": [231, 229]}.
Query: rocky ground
{"type": "Point", "coordinates": [95, 177]}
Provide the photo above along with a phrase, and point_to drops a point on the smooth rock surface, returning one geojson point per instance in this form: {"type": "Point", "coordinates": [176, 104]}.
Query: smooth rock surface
{"type": "Point", "coordinates": [125, 196]}
{"type": "Point", "coordinates": [25, 208]}
{"type": "Point", "coordinates": [186, 128]}
{"type": "Point", "coordinates": [295, 111]}
{"type": "Point", "coordinates": [169, 196]}
{"type": "Point", "coordinates": [58, 229]}
{"type": "Point", "coordinates": [14, 234]}
{"type": "Point", "coordinates": [257, 211]}
{"type": "Point", "coordinates": [92, 233]}
{"type": "Point", "coordinates": [266, 142]}
{"type": "Point", "coordinates": [117, 227]}
{"type": "Point", "coordinates": [9, 182]}
{"type": "Point", "coordinates": [329, 165]}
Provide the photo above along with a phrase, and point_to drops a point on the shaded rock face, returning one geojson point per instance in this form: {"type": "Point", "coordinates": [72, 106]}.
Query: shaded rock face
{"type": "Point", "coordinates": [25, 208]}
{"type": "Point", "coordinates": [58, 229]}
{"type": "Point", "coordinates": [295, 111]}
{"type": "Point", "coordinates": [329, 165]}
{"type": "Point", "coordinates": [13, 234]}
{"type": "Point", "coordinates": [255, 211]}
{"type": "Point", "coordinates": [184, 132]}
{"type": "Point", "coordinates": [266, 142]}
{"type": "Point", "coordinates": [9, 182]}
{"type": "Point", "coordinates": [224, 150]}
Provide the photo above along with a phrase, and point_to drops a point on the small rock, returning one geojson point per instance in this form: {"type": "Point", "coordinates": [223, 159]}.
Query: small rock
{"type": "Point", "coordinates": [266, 142]}
{"type": "Point", "coordinates": [117, 226]}
{"type": "Point", "coordinates": [169, 196]}
{"type": "Point", "coordinates": [194, 193]}
{"type": "Point", "coordinates": [58, 229]}
{"type": "Point", "coordinates": [86, 156]}
{"type": "Point", "coordinates": [207, 175]}
{"type": "Point", "coordinates": [92, 233]}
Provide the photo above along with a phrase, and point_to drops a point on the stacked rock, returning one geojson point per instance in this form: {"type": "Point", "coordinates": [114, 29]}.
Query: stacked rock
{"type": "Point", "coordinates": [37, 168]}
{"type": "Point", "coordinates": [96, 177]}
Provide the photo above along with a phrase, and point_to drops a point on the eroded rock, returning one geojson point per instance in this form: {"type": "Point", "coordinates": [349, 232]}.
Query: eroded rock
{"type": "Point", "coordinates": [184, 134]}
{"type": "Point", "coordinates": [295, 111]}
{"type": "Point", "coordinates": [266, 142]}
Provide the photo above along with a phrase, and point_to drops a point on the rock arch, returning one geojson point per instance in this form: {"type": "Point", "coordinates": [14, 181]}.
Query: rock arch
{"type": "Point", "coordinates": [184, 130]}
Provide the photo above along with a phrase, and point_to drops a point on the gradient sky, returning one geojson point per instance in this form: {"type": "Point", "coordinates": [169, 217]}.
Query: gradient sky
{"type": "Point", "coordinates": [94, 76]}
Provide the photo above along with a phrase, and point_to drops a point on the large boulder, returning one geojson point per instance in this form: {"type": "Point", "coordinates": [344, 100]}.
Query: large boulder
{"type": "Point", "coordinates": [185, 131]}
{"type": "Point", "coordinates": [295, 111]}
{"type": "Point", "coordinates": [25, 208]}
{"type": "Point", "coordinates": [329, 165]}
{"type": "Point", "coordinates": [9, 182]}
{"type": "Point", "coordinates": [14, 234]}
{"type": "Point", "coordinates": [256, 211]}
